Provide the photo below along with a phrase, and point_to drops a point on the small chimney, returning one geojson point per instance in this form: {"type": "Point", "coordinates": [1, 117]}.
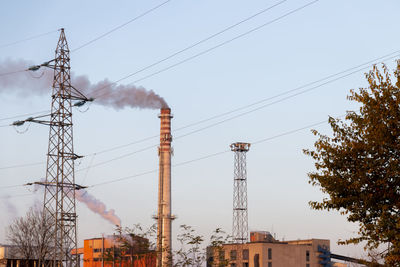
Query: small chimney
{"type": "Point", "coordinates": [164, 216]}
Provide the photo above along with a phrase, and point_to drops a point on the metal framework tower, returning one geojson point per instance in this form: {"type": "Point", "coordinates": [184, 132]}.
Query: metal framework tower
{"type": "Point", "coordinates": [59, 196]}
{"type": "Point", "coordinates": [240, 222]}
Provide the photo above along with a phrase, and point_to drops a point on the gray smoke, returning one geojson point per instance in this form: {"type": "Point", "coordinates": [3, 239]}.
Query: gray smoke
{"type": "Point", "coordinates": [105, 92]}
{"type": "Point", "coordinates": [26, 82]}
{"type": "Point", "coordinates": [97, 206]}
{"type": "Point", "coordinates": [10, 207]}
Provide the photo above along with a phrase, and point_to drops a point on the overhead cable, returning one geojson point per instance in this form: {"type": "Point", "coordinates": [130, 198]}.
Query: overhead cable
{"type": "Point", "coordinates": [318, 82]}
{"type": "Point", "coordinates": [27, 39]}
{"type": "Point", "coordinates": [120, 26]}
{"type": "Point", "coordinates": [25, 115]}
{"type": "Point", "coordinates": [209, 155]}
{"type": "Point", "coordinates": [224, 43]}
{"type": "Point", "coordinates": [206, 39]}
{"type": "Point", "coordinates": [234, 117]}
{"type": "Point", "coordinates": [205, 51]}
{"type": "Point", "coordinates": [91, 41]}
{"type": "Point", "coordinates": [196, 43]}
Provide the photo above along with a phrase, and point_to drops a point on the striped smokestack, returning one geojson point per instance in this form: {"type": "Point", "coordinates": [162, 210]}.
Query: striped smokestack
{"type": "Point", "coordinates": [164, 216]}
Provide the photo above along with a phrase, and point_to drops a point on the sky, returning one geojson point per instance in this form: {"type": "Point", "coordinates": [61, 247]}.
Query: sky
{"type": "Point", "coordinates": [253, 73]}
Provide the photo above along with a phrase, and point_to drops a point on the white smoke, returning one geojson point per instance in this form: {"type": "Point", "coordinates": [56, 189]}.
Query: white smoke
{"type": "Point", "coordinates": [97, 206]}
{"type": "Point", "coordinates": [105, 92]}
{"type": "Point", "coordinates": [90, 201]}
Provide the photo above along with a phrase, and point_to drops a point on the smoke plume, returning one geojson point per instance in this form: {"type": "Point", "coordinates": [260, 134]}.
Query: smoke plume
{"type": "Point", "coordinates": [105, 92]}
{"type": "Point", "coordinates": [10, 207]}
{"type": "Point", "coordinates": [97, 206]}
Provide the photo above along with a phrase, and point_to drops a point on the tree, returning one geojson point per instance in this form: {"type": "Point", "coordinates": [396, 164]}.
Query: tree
{"type": "Point", "coordinates": [31, 236]}
{"type": "Point", "coordinates": [190, 252]}
{"type": "Point", "coordinates": [140, 242]}
{"type": "Point", "coordinates": [359, 166]}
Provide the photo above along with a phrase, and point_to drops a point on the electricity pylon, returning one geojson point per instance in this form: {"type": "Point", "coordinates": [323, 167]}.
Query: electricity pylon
{"type": "Point", "coordinates": [59, 194]}
{"type": "Point", "coordinates": [240, 220]}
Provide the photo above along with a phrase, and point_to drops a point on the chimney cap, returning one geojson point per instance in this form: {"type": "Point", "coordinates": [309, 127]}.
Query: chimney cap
{"type": "Point", "coordinates": [165, 110]}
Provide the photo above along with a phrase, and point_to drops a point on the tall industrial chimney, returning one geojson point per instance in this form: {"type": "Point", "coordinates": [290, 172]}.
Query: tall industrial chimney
{"type": "Point", "coordinates": [164, 216]}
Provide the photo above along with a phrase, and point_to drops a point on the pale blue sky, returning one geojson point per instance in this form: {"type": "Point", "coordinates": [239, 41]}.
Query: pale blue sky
{"type": "Point", "coordinates": [322, 39]}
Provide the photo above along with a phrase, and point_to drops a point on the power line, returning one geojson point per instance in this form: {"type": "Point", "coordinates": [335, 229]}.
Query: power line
{"type": "Point", "coordinates": [235, 117]}
{"type": "Point", "coordinates": [27, 39]}
{"type": "Point", "coordinates": [396, 53]}
{"type": "Point", "coordinates": [11, 186]}
{"type": "Point", "coordinates": [22, 165]}
{"type": "Point", "coordinates": [226, 42]}
{"type": "Point", "coordinates": [123, 146]}
{"type": "Point", "coordinates": [196, 43]}
{"type": "Point", "coordinates": [14, 196]}
{"type": "Point", "coordinates": [204, 157]}
{"type": "Point", "coordinates": [118, 158]}
{"type": "Point", "coordinates": [91, 41]}
{"type": "Point", "coordinates": [11, 72]}
{"type": "Point", "coordinates": [354, 70]}
{"type": "Point", "coordinates": [120, 26]}
{"type": "Point", "coordinates": [204, 40]}
{"type": "Point", "coordinates": [210, 155]}
{"type": "Point", "coordinates": [25, 115]}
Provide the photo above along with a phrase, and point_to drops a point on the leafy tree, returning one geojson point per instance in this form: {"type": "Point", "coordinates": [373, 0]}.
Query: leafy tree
{"type": "Point", "coordinates": [31, 235]}
{"type": "Point", "coordinates": [134, 243]}
{"type": "Point", "coordinates": [216, 252]}
{"type": "Point", "coordinates": [190, 252]}
{"type": "Point", "coordinates": [140, 242]}
{"type": "Point", "coordinates": [359, 166]}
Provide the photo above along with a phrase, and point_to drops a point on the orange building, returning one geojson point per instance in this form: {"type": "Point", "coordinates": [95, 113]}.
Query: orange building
{"type": "Point", "coordinates": [115, 251]}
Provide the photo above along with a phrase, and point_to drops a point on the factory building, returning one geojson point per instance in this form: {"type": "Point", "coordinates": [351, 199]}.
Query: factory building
{"type": "Point", "coordinates": [264, 251]}
{"type": "Point", "coordinates": [9, 257]}
{"type": "Point", "coordinates": [114, 251]}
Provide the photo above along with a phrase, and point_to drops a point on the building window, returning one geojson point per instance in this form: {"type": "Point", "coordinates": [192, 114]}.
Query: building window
{"type": "Point", "coordinates": [233, 255]}
{"type": "Point", "coordinates": [269, 255]}
{"type": "Point", "coordinates": [307, 255]}
{"type": "Point", "coordinates": [307, 265]}
{"type": "Point", "coordinates": [245, 264]}
{"type": "Point", "coordinates": [257, 260]}
{"type": "Point", "coordinates": [245, 254]}
{"type": "Point", "coordinates": [221, 255]}
{"type": "Point", "coordinates": [233, 264]}
{"type": "Point", "coordinates": [269, 264]}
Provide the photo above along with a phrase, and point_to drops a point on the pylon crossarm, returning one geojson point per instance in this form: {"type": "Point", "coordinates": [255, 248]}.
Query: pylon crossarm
{"type": "Point", "coordinates": [65, 185]}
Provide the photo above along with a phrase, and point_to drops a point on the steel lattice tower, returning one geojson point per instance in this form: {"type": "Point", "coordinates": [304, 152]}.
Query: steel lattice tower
{"type": "Point", "coordinates": [59, 196]}
{"type": "Point", "coordinates": [240, 223]}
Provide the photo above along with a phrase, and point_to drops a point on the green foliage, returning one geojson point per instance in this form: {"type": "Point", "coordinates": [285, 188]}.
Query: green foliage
{"type": "Point", "coordinates": [134, 243]}
{"type": "Point", "coordinates": [217, 240]}
{"type": "Point", "coordinates": [359, 166]}
{"type": "Point", "coordinates": [139, 242]}
{"type": "Point", "coordinates": [190, 252]}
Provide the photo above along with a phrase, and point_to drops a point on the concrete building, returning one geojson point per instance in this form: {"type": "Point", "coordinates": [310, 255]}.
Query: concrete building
{"type": "Point", "coordinates": [9, 257]}
{"type": "Point", "coordinates": [264, 251]}
{"type": "Point", "coordinates": [113, 251]}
